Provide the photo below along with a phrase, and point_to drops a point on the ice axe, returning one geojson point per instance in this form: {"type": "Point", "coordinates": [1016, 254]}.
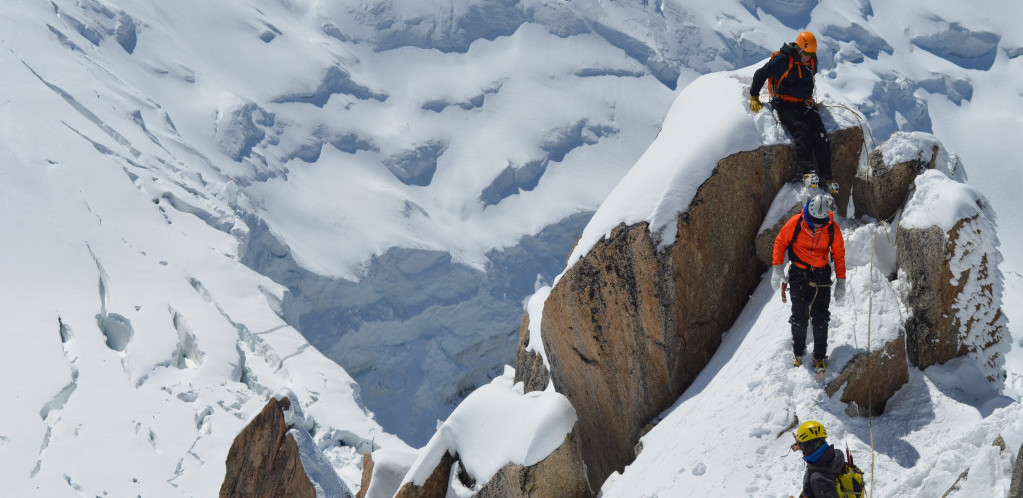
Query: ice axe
{"type": "Point", "coordinates": [784, 285]}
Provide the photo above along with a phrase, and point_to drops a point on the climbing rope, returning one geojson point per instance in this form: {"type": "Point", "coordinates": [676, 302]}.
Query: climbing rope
{"type": "Point", "coordinates": [870, 302]}
{"type": "Point", "coordinates": [886, 225]}
{"type": "Point", "coordinates": [870, 369]}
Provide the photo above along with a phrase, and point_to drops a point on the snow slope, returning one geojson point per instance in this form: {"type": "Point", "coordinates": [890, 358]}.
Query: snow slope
{"type": "Point", "coordinates": [730, 432]}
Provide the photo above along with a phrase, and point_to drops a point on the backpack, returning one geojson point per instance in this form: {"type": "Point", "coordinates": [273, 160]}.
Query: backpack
{"type": "Point", "coordinates": [850, 482]}
{"type": "Point", "coordinates": [772, 82]}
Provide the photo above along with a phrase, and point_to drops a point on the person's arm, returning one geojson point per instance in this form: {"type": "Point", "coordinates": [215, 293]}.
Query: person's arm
{"type": "Point", "coordinates": [838, 252]}
{"type": "Point", "coordinates": [822, 486]}
{"type": "Point", "coordinates": [781, 242]}
{"type": "Point", "coordinates": [767, 70]}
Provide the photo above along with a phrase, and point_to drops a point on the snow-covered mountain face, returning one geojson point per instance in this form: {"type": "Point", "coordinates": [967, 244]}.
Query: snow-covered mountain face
{"type": "Point", "coordinates": [409, 171]}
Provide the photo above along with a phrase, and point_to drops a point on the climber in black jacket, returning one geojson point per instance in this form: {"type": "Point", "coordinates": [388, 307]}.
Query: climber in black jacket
{"type": "Point", "coordinates": [790, 76]}
{"type": "Point", "coordinates": [823, 462]}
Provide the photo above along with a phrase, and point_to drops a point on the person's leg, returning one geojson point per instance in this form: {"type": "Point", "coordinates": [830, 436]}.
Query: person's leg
{"type": "Point", "coordinates": [821, 145]}
{"type": "Point", "coordinates": [791, 117]}
{"type": "Point", "coordinates": [798, 287]}
{"type": "Point", "coordinates": [820, 316]}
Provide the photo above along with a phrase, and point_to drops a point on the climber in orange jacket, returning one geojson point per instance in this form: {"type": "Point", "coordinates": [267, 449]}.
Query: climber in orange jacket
{"type": "Point", "coordinates": [809, 239]}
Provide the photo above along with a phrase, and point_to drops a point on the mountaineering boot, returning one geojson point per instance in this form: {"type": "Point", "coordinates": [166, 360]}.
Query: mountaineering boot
{"type": "Point", "coordinates": [797, 360]}
{"type": "Point", "coordinates": [820, 365]}
{"type": "Point", "coordinates": [811, 180]}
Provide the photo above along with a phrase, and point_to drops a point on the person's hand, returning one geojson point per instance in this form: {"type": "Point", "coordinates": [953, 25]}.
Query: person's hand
{"type": "Point", "coordinates": [754, 104]}
{"type": "Point", "coordinates": [840, 290]}
{"type": "Point", "coordinates": [777, 277]}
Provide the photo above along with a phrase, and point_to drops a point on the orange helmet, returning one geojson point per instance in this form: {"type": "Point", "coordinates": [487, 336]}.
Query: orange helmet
{"type": "Point", "coordinates": [807, 42]}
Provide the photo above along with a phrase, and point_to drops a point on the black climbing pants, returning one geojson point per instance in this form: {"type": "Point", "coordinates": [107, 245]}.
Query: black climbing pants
{"type": "Point", "coordinates": [811, 298]}
{"type": "Point", "coordinates": [804, 124]}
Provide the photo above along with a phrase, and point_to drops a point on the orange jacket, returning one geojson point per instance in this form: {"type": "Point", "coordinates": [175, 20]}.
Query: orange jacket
{"type": "Point", "coordinates": [811, 247]}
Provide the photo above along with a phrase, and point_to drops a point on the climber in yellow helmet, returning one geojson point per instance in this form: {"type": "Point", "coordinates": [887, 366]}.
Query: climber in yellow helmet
{"type": "Point", "coordinates": [823, 462]}
{"type": "Point", "coordinates": [790, 77]}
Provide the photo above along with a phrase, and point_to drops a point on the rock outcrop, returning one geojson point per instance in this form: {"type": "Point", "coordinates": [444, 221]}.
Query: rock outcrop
{"type": "Point", "coordinates": [367, 475]}
{"type": "Point", "coordinates": [530, 368]}
{"type": "Point", "coordinates": [628, 327]}
{"type": "Point", "coordinates": [275, 456]}
{"type": "Point", "coordinates": [561, 474]}
{"type": "Point", "coordinates": [436, 486]}
{"type": "Point", "coordinates": [1016, 487]}
{"type": "Point", "coordinates": [880, 189]}
{"type": "Point", "coordinates": [871, 379]}
{"type": "Point", "coordinates": [265, 460]}
{"type": "Point", "coordinates": [954, 291]}
{"type": "Point", "coordinates": [765, 240]}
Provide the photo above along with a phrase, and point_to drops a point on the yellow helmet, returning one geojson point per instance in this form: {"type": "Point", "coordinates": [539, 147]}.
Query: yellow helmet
{"type": "Point", "coordinates": [807, 42]}
{"type": "Point", "coordinates": [810, 430]}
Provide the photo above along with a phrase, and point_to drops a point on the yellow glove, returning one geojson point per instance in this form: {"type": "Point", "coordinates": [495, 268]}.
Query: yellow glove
{"type": "Point", "coordinates": [754, 103]}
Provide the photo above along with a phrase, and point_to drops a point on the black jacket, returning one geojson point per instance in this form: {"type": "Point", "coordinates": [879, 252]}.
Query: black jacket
{"type": "Point", "coordinates": [798, 83]}
{"type": "Point", "coordinates": [819, 479]}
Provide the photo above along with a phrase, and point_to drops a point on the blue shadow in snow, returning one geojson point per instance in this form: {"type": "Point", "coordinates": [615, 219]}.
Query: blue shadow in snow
{"type": "Point", "coordinates": [962, 381]}
{"type": "Point", "coordinates": [910, 410]}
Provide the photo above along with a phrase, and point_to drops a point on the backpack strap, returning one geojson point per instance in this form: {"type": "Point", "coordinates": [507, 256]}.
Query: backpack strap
{"type": "Point", "coordinates": [773, 83]}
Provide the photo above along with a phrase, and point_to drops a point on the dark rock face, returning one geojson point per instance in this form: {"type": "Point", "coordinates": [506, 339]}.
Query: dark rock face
{"type": "Point", "coordinates": [628, 327]}
{"type": "Point", "coordinates": [265, 460]}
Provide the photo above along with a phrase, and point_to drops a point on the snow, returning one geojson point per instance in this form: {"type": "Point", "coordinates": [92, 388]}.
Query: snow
{"type": "Point", "coordinates": [495, 426]}
{"type": "Point", "coordinates": [139, 340]}
{"type": "Point", "coordinates": [939, 202]}
{"type": "Point", "coordinates": [903, 147]}
{"type": "Point", "coordinates": [535, 310]}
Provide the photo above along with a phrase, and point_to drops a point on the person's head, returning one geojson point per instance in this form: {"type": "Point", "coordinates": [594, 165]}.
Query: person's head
{"type": "Point", "coordinates": [816, 210]}
{"type": "Point", "coordinates": [807, 43]}
{"type": "Point", "coordinates": [810, 437]}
